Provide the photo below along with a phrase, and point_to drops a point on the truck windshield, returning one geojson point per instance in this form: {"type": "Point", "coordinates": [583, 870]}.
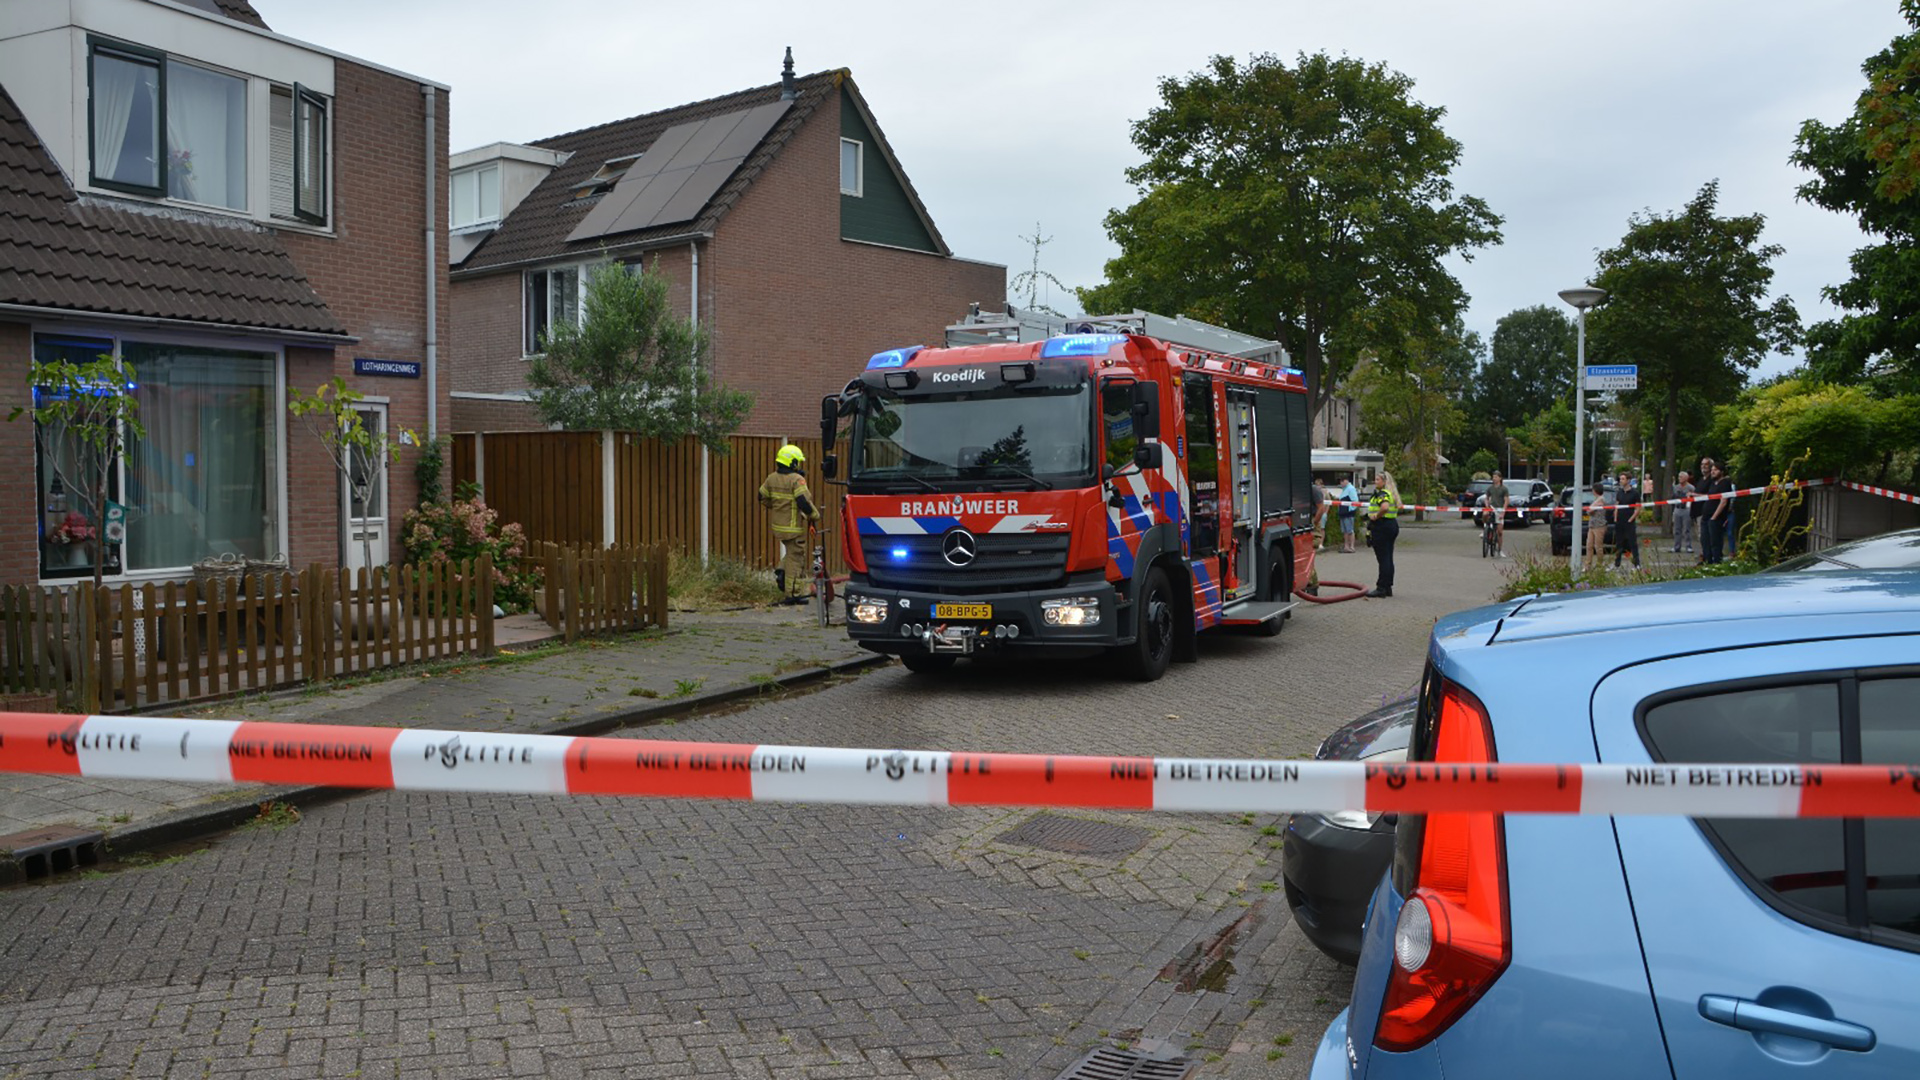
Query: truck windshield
{"type": "Point", "coordinates": [986, 437]}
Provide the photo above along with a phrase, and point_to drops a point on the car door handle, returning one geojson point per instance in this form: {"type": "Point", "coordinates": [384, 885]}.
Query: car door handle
{"type": "Point", "coordinates": [1753, 1016]}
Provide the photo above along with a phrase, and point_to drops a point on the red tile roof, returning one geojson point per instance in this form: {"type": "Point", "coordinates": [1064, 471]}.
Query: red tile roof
{"type": "Point", "coordinates": [120, 257]}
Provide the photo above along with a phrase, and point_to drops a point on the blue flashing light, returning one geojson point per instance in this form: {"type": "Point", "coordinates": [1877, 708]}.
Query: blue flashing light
{"type": "Point", "coordinates": [899, 554]}
{"type": "Point", "coordinates": [1080, 345]}
{"type": "Point", "coordinates": [893, 358]}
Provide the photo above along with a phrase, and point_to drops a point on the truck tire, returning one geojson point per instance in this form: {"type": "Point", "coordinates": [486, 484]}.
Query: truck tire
{"type": "Point", "coordinates": [1147, 658]}
{"type": "Point", "coordinates": [926, 663]}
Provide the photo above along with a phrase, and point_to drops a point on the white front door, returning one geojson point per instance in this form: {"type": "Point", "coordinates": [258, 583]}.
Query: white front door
{"type": "Point", "coordinates": [366, 516]}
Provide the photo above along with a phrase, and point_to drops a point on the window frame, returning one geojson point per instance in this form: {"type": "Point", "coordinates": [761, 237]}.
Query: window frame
{"type": "Point", "coordinates": [859, 167]}
{"type": "Point", "coordinates": [482, 219]}
{"type": "Point", "coordinates": [303, 97]}
{"type": "Point", "coordinates": [276, 417]}
{"type": "Point", "coordinates": [136, 54]}
{"type": "Point", "coordinates": [1857, 925]}
{"type": "Point", "coordinates": [529, 340]}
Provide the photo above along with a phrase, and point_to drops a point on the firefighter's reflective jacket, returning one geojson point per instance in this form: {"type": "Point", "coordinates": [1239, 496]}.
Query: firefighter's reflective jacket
{"type": "Point", "coordinates": [790, 504]}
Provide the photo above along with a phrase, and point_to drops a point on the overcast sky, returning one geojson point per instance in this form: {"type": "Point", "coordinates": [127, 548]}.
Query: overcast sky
{"type": "Point", "coordinates": [1008, 117]}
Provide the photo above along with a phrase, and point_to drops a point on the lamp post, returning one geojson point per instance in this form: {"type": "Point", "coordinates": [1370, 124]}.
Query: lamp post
{"type": "Point", "coordinates": [1581, 299]}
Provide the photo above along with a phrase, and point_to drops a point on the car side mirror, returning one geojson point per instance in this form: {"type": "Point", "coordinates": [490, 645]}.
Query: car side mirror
{"type": "Point", "coordinates": [1146, 410]}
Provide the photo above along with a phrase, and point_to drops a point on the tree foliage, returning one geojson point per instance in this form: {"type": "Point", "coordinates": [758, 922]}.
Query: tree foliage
{"type": "Point", "coordinates": [633, 365]}
{"type": "Point", "coordinates": [1820, 429]}
{"type": "Point", "coordinates": [1406, 407]}
{"type": "Point", "coordinates": [1309, 202]}
{"type": "Point", "coordinates": [1866, 167]}
{"type": "Point", "coordinates": [92, 404]}
{"type": "Point", "coordinates": [1687, 302]}
{"type": "Point", "coordinates": [1530, 366]}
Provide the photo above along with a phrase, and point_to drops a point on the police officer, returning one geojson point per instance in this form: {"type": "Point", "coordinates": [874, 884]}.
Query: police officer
{"type": "Point", "coordinates": [784, 493]}
{"type": "Point", "coordinates": [1383, 528]}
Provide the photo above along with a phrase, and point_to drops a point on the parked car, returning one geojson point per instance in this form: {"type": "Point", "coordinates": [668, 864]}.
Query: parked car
{"type": "Point", "coordinates": [1888, 551]}
{"type": "Point", "coordinates": [1530, 501]}
{"type": "Point", "coordinates": [1560, 528]}
{"type": "Point", "coordinates": [1471, 497]}
{"type": "Point", "coordinates": [1651, 945]}
{"type": "Point", "coordinates": [1329, 863]}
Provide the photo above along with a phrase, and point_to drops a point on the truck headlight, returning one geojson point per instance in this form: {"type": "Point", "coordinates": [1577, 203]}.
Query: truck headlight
{"type": "Point", "coordinates": [865, 609]}
{"type": "Point", "coordinates": [1071, 611]}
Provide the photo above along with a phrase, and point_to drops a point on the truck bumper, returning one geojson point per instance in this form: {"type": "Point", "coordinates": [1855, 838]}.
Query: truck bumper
{"type": "Point", "coordinates": [1016, 622]}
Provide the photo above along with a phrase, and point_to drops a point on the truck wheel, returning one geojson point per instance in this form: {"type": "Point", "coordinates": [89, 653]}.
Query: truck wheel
{"type": "Point", "coordinates": [926, 663]}
{"type": "Point", "coordinates": [1146, 659]}
{"type": "Point", "coordinates": [1280, 579]}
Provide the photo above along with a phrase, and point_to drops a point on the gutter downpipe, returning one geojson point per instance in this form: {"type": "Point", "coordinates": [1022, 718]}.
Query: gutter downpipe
{"type": "Point", "coordinates": [706, 456]}
{"type": "Point", "coordinates": [429, 94]}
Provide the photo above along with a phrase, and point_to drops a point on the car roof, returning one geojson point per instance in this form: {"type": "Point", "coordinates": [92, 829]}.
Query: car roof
{"type": "Point", "coordinates": [1757, 597]}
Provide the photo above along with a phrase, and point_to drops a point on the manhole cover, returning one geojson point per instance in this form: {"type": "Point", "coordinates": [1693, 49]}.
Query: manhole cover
{"type": "Point", "coordinates": [1076, 836]}
{"type": "Point", "coordinates": [1106, 1063]}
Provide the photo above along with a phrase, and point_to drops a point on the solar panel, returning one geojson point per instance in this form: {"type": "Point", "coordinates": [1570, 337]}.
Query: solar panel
{"type": "Point", "coordinates": [680, 173]}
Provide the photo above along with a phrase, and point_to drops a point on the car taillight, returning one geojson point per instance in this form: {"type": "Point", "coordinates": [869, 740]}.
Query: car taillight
{"type": "Point", "coordinates": [1452, 940]}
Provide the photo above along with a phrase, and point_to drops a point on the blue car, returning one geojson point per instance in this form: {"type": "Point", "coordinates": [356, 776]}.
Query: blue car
{"type": "Point", "coordinates": [1563, 946]}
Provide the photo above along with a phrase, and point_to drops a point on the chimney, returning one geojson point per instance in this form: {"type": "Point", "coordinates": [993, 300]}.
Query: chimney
{"type": "Point", "coordinates": [787, 91]}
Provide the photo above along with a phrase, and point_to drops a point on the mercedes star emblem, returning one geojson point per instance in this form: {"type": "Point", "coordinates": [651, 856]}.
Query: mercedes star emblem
{"type": "Point", "coordinates": [959, 547]}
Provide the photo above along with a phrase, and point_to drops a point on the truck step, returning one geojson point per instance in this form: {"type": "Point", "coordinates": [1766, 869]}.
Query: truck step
{"type": "Point", "coordinates": [1256, 611]}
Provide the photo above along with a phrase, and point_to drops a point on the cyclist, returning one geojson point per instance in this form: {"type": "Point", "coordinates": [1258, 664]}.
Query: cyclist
{"type": "Point", "coordinates": [1498, 500]}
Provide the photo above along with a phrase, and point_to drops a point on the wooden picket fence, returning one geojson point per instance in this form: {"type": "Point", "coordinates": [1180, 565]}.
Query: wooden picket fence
{"type": "Point", "coordinates": [591, 589]}
{"type": "Point", "coordinates": [128, 647]}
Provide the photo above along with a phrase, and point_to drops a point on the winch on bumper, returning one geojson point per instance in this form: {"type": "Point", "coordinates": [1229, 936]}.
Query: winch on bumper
{"type": "Point", "coordinates": [1071, 619]}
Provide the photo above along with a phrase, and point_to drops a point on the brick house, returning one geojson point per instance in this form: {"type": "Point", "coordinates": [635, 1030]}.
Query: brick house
{"type": "Point", "coordinates": [233, 213]}
{"type": "Point", "coordinates": [782, 207]}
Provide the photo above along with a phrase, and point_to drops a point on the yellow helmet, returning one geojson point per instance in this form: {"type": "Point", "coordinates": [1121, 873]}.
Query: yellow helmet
{"type": "Point", "coordinates": [790, 456]}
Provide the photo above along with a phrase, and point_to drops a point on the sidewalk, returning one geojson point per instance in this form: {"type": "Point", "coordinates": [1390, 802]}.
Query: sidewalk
{"type": "Point", "coordinates": [597, 684]}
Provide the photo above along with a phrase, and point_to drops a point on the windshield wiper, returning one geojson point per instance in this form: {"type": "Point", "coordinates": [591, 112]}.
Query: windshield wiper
{"type": "Point", "coordinates": [1041, 484]}
{"type": "Point", "coordinates": [922, 481]}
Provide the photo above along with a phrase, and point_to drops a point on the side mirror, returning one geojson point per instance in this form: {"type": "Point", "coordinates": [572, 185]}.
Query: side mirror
{"type": "Point", "coordinates": [829, 420]}
{"type": "Point", "coordinates": [829, 465]}
{"type": "Point", "coordinates": [1146, 410]}
{"type": "Point", "coordinates": [1107, 471]}
{"type": "Point", "coordinates": [1147, 455]}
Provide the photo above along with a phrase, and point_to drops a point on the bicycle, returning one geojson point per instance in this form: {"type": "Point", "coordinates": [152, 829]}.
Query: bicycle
{"type": "Point", "coordinates": [822, 581]}
{"type": "Point", "coordinates": [1489, 544]}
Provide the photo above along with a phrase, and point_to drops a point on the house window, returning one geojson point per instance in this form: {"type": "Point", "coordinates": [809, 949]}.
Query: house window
{"type": "Point", "coordinates": [205, 136]}
{"type": "Point", "coordinates": [551, 295]}
{"type": "Point", "coordinates": [297, 154]}
{"type": "Point", "coordinates": [125, 88]}
{"type": "Point", "coordinates": [476, 196]}
{"type": "Point", "coordinates": [204, 479]}
{"type": "Point", "coordinates": [852, 166]}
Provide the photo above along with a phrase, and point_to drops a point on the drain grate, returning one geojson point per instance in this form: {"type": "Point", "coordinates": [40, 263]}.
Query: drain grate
{"type": "Point", "coordinates": [37, 853]}
{"type": "Point", "coordinates": [1076, 836]}
{"type": "Point", "coordinates": [1106, 1063]}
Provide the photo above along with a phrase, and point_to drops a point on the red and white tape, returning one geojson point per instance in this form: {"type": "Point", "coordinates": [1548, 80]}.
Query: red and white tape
{"type": "Point", "coordinates": [1560, 511]}
{"type": "Point", "coordinates": [1883, 492]}
{"type": "Point", "coordinates": [235, 752]}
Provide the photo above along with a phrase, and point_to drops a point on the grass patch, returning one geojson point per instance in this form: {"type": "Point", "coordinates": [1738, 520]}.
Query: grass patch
{"type": "Point", "coordinates": [1533, 573]}
{"type": "Point", "coordinates": [722, 583]}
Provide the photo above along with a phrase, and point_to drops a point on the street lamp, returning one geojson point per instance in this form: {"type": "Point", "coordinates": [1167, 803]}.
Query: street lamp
{"type": "Point", "coordinates": [1581, 299]}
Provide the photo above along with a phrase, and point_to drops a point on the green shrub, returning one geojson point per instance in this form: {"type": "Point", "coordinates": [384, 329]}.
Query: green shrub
{"type": "Point", "coordinates": [464, 529]}
{"type": "Point", "coordinates": [722, 582]}
{"type": "Point", "coordinates": [1532, 574]}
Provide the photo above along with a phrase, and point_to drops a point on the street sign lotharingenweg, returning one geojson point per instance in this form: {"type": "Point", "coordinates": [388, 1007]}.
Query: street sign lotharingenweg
{"type": "Point", "coordinates": [1613, 376]}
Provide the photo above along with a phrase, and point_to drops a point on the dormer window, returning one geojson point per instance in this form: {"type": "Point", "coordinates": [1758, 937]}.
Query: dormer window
{"type": "Point", "coordinates": [604, 180]}
{"type": "Point", "coordinates": [476, 196]}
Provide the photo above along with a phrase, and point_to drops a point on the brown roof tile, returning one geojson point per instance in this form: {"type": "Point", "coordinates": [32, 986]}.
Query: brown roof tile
{"type": "Point", "coordinates": [93, 254]}
{"type": "Point", "coordinates": [537, 229]}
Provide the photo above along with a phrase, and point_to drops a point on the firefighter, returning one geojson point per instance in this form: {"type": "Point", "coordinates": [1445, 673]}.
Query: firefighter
{"type": "Point", "coordinates": [1383, 528]}
{"type": "Point", "coordinates": [784, 493]}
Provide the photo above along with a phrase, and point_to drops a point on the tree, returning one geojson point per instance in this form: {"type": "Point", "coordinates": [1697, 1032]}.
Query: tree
{"type": "Point", "coordinates": [1530, 368]}
{"type": "Point", "coordinates": [360, 454]}
{"type": "Point", "coordinates": [1828, 430]}
{"type": "Point", "coordinates": [632, 365]}
{"type": "Point", "coordinates": [90, 406]}
{"type": "Point", "coordinates": [1687, 302]}
{"type": "Point", "coordinates": [1547, 434]}
{"type": "Point", "coordinates": [1311, 203]}
{"type": "Point", "coordinates": [1866, 167]}
{"type": "Point", "coordinates": [1407, 407]}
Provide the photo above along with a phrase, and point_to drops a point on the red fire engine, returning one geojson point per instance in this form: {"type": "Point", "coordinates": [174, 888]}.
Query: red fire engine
{"type": "Point", "coordinates": [1088, 492]}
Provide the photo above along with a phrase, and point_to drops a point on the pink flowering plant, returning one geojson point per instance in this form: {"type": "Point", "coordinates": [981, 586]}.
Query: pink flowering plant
{"type": "Point", "coordinates": [444, 532]}
{"type": "Point", "coordinates": [73, 529]}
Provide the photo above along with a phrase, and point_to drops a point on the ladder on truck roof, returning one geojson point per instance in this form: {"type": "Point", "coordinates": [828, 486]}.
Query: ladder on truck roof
{"type": "Point", "coordinates": [1025, 324]}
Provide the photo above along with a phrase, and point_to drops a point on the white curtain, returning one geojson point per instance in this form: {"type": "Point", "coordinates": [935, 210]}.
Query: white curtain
{"type": "Point", "coordinates": [114, 85]}
{"type": "Point", "coordinates": [206, 136]}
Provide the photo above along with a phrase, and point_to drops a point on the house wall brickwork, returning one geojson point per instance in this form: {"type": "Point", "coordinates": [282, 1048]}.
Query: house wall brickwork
{"type": "Point", "coordinates": [19, 540]}
{"type": "Point", "coordinates": [371, 276]}
{"type": "Point", "coordinates": [798, 310]}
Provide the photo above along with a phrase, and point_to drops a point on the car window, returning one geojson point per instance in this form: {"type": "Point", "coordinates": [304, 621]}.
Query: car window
{"type": "Point", "coordinates": [1801, 866]}
{"type": "Point", "coordinates": [1890, 735]}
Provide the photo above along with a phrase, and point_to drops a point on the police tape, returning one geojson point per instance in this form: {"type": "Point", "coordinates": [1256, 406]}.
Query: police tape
{"type": "Point", "coordinates": [244, 752]}
{"type": "Point", "coordinates": [1561, 511]}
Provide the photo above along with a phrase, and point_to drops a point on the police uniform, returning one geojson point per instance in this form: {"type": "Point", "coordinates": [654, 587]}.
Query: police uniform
{"type": "Point", "coordinates": [790, 507]}
{"type": "Point", "coordinates": [1384, 529]}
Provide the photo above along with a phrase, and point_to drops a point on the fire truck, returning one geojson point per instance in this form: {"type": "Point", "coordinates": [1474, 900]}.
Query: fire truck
{"type": "Point", "coordinates": [1104, 491]}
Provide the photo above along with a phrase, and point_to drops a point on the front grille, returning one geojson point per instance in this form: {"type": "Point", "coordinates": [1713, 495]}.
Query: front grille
{"type": "Point", "coordinates": [1004, 561]}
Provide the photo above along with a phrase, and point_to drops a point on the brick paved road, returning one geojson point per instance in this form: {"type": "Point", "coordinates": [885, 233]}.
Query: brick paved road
{"type": "Point", "coordinates": [415, 935]}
